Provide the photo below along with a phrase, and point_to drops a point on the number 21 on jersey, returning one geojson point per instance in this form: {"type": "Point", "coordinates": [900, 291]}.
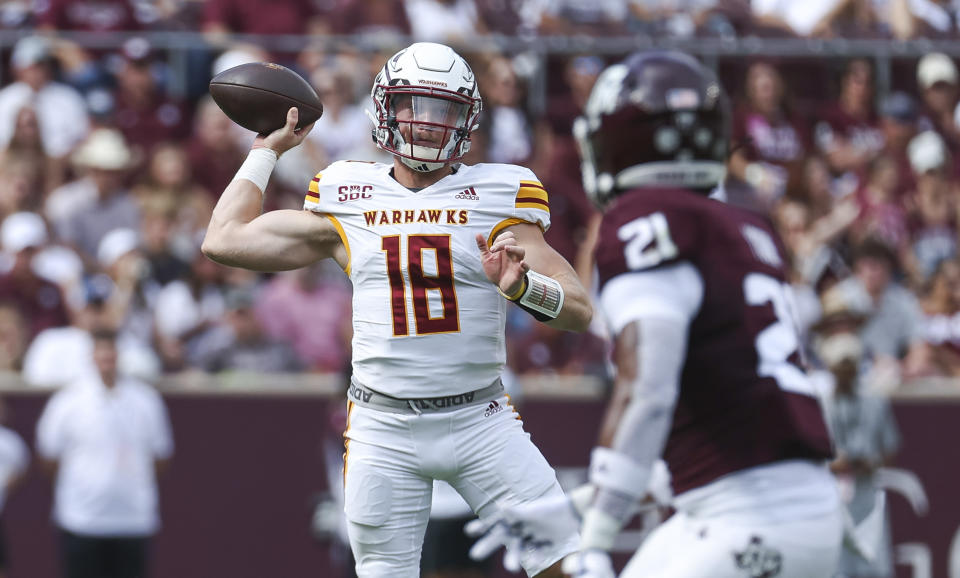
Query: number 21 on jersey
{"type": "Point", "coordinates": [423, 285]}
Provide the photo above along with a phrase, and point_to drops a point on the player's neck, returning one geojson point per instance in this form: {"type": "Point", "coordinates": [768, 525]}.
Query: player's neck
{"type": "Point", "coordinates": [415, 179]}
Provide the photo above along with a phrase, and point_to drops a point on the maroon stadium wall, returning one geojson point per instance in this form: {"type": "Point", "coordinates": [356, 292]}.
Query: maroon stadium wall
{"type": "Point", "coordinates": [238, 499]}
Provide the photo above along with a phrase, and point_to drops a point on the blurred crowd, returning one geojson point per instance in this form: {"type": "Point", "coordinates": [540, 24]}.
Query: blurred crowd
{"type": "Point", "coordinates": [108, 175]}
{"type": "Point", "coordinates": [464, 20]}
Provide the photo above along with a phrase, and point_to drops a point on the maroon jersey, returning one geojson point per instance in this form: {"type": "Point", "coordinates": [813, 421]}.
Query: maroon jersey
{"type": "Point", "coordinates": [88, 15]}
{"type": "Point", "coordinates": [864, 135]}
{"type": "Point", "coordinates": [744, 399]}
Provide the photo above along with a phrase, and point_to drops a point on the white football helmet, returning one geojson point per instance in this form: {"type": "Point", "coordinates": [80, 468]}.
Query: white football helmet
{"type": "Point", "coordinates": [427, 103]}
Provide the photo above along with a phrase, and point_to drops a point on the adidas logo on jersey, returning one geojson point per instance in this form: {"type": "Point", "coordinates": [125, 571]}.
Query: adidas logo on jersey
{"type": "Point", "coordinates": [493, 408]}
{"type": "Point", "coordinates": [469, 195]}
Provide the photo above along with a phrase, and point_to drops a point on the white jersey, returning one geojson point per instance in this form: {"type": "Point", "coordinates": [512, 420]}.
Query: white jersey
{"type": "Point", "coordinates": [426, 320]}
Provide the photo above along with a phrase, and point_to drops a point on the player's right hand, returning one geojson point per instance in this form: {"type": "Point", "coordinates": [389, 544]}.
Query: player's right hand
{"type": "Point", "coordinates": [503, 262]}
{"type": "Point", "coordinates": [286, 137]}
{"type": "Point", "coordinates": [589, 564]}
{"type": "Point", "coordinates": [542, 523]}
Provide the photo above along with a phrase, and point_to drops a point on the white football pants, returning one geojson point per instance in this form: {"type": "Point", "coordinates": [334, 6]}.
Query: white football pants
{"type": "Point", "coordinates": [781, 521]}
{"type": "Point", "coordinates": [392, 459]}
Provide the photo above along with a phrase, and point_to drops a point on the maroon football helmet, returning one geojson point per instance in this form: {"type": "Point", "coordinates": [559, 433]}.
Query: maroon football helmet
{"type": "Point", "coordinates": [656, 119]}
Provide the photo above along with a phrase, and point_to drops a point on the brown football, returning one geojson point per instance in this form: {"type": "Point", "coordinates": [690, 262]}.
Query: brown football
{"type": "Point", "coordinates": [257, 96]}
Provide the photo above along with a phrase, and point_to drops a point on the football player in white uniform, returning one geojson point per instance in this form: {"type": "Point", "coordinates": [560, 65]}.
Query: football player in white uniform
{"type": "Point", "coordinates": [708, 372]}
{"type": "Point", "coordinates": [434, 249]}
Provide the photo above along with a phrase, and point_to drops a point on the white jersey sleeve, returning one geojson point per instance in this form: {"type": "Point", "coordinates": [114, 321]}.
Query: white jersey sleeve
{"type": "Point", "coordinates": [530, 202]}
{"type": "Point", "coordinates": [662, 302]}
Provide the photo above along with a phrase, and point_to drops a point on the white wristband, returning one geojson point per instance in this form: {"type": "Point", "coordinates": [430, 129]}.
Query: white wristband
{"type": "Point", "coordinates": [257, 167]}
{"type": "Point", "coordinates": [612, 470]}
{"type": "Point", "coordinates": [543, 294]}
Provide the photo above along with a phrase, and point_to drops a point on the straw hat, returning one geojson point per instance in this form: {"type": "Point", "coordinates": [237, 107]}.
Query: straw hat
{"type": "Point", "coordinates": [844, 303]}
{"type": "Point", "coordinates": [104, 149]}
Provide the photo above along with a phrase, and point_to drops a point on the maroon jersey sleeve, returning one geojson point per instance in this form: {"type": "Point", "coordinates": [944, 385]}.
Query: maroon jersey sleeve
{"type": "Point", "coordinates": [649, 228]}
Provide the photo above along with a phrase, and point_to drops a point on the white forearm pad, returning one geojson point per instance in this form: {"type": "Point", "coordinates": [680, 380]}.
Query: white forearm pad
{"type": "Point", "coordinates": [257, 167]}
{"type": "Point", "coordinates": [660, 484]}
{"type": "Point", "coordinates": [582, 497]}
{"type": "Point", "coordinates": [612, 470]}
{"type": "Point", "coordinates": [544, 294]}
{"type": "Point", "coordinates": [599, 530]}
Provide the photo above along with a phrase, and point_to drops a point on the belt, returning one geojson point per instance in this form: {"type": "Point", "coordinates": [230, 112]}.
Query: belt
{"type": "Point", "coordinates": [366, 397]}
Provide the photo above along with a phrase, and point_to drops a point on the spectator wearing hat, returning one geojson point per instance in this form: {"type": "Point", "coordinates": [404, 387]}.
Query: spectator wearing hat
{"type": "Point", "coordinates": [14, 460]}
{"type": "Point", "coordinates": [49, 260]}
{"type": "Point", "coordinates": [939, 85]}
{"type": "Point", "coordinates": [61, 111]}
{"type": "Point", "coordinates": [111, 302]}
{"type": "Point", "coordinates": [61, 354]}
{"type": "Point", "coordinates": [143, 113]}
{"type": "Point", "coordinates": [86, 210]}
{"type": "Point", "coordinates": [861, 424]}
{"type": "Point", "coordinates": [934, 230]}
{"type": "Point", "coordinates": [892, 336]}
{"type": "Point", "coordinates": [241, 344]}
{"type": "Point", "coordinates": [39, 300]}
{"type": "Point", "coordinates": [105, 438]}
{"type": "Point", "coordinates": [131, 300]}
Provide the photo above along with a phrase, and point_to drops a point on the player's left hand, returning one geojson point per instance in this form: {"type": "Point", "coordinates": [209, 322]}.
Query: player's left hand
{"type": "Point", "coordinates": [588, 564]}
{"type": "Point", "coordinates": [503, 262]}
{"type": "Point", "coordinates": [519, 529]}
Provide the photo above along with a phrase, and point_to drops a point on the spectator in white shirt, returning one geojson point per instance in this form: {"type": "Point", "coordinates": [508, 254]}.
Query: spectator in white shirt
{"type": "Point", "coordinates": [443, 20]}
{"type": "Point", "coordinates": [59, 355]}
{"type": "Point", "coordinates": [61, 110]}
{"type": "Point", "coordinates": [511, 133]}
{"type": "Point", "coordinates": [14, 458]}
{"type": "Point", "coordinates": [105, 438]}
